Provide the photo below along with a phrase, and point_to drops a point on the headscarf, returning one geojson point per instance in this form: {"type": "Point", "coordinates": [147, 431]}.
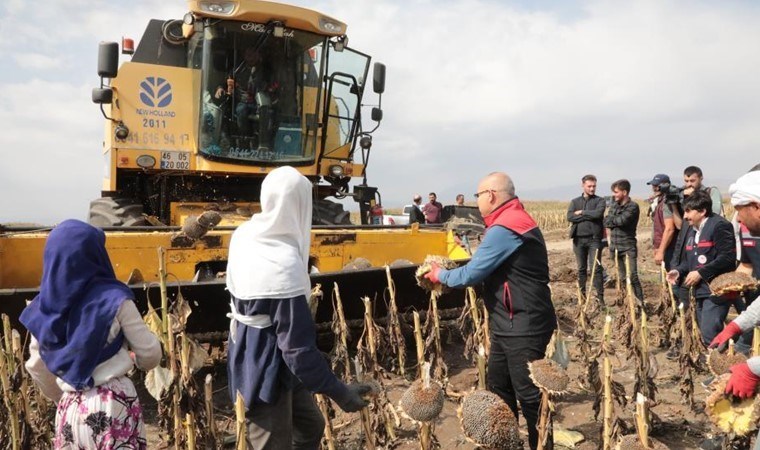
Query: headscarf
{"type": "Point", "coordinates": [79, 297]}
{"type": "Point", "coordinates": [746, 190]}
{"type": "Point", "coordinates": [268, 256]}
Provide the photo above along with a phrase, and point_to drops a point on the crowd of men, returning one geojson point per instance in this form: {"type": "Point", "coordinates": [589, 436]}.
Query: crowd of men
{"type": "Point", "coordinates": [692, 241]}
{"type": "Point", "coordinates": [430, 212]}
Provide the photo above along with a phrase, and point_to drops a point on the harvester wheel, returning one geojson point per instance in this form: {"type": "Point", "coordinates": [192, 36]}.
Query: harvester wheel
{"type": "Point", "coordinates": [117, 212]}
{"type": "Point", "coordinates": [327, 212]}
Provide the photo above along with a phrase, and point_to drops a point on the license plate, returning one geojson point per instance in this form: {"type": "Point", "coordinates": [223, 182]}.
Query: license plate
{"type": "Point", "coordinates": [175, 160]}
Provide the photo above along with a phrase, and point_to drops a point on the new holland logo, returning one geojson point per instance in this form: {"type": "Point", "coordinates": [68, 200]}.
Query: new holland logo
{"type": "Point", "coordinates": [155, 92]}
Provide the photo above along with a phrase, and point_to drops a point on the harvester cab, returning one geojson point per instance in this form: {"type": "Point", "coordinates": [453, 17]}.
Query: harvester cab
{"type": "Point", "coordinates": [209, 104]}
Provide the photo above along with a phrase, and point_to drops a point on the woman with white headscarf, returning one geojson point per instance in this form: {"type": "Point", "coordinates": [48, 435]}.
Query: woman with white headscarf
{"type": "Point", "coordinates": [273, 360]}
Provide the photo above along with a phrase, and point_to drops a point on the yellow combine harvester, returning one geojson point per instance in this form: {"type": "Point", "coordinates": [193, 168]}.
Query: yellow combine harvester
{"type": "Point", "coordinates": [206, 107]}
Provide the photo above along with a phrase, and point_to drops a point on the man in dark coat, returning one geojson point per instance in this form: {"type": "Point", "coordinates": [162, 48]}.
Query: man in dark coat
{"type": "Point", "coordinates": [709, 251]}
{"type": "Point", "coordinates": [585, 213]}
{"type": "Point", "coordinates": [622, 220]}
{"type": "Point", "coordinates": [416, 215]}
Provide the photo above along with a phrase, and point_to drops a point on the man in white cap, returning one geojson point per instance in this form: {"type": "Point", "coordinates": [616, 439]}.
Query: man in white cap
{"type": "Point", "coordinates": [745, 197]}
{"type": "Point", "coordinates": [748, 254]}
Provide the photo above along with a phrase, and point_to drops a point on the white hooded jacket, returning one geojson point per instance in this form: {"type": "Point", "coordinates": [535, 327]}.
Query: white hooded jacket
{"type": "Point", "coordinates": [268, 256]}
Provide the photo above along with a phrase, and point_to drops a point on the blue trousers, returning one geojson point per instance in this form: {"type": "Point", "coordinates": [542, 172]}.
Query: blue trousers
{"type": "Point", "coordinates": [744, 344]}
{"type": "Point", "coordinates": [711, 316]}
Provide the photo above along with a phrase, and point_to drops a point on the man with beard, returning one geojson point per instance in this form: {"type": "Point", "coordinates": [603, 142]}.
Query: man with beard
{"type": "Point", "coordinates": [586, 213]}
{"type": "Point", "coordinates": [745, 197]}
{"type": "Point", "coordinates": [622, 219]}
{"type": "Point", "coordinates": [663, 225]}
{"type": "Point", "coordinates": [709, 251]}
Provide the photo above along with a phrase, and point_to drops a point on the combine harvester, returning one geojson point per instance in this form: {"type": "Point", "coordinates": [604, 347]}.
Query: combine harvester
{"type": "Point", "coordinates": [182, 139]}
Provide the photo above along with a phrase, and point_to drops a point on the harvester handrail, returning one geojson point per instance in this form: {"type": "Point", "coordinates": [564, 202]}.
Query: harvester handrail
{"type": "Point", "coordinates": [12, 230]}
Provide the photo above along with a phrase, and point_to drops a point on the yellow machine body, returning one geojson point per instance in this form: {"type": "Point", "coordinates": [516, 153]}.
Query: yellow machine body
{"type": "Point", "coordinates": [134, 253]}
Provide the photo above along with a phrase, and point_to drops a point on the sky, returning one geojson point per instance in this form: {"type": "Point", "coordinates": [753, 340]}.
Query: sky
{"type": "Point", "coordinates": [546, 91]}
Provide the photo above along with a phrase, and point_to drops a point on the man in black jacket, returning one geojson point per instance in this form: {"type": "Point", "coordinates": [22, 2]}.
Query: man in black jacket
{"type": "Point", "coordinates": [415, 214]}
{"type": "Point", "coordinates": [709, 251]}
{"type": "Point", "coordinates": [622, 220]}
{"type": "Point", "coordinates": [585, 213]}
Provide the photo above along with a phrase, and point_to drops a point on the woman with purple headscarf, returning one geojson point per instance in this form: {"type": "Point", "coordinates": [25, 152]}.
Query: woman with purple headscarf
{"type": "Point", "coordinates": [84, 325]}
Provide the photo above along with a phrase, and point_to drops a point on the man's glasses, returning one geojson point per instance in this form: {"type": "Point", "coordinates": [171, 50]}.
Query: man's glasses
{"type": "Point", "coordinates": [478, 194]}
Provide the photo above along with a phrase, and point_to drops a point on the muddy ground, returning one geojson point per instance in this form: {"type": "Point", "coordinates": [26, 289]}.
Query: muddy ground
{"type": "Point", "coordinates": [679, 427]}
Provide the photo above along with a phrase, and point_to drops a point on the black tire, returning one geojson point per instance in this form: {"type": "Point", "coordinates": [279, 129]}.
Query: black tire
{"type": "Point", "coordinates": [326, 212]}
{"type": "Point", "coordinates": [117, 212]}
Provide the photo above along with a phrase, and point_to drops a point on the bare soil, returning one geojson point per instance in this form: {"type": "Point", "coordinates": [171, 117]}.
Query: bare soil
{"type": "Point", "coordinates": [678, 426]}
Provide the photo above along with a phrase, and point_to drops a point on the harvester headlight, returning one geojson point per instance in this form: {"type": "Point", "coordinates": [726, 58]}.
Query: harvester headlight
{"type": "Point", "coordinates": [330, 26]}
{"type": "Point", "coordinates": [188, 19]}
{"type": "Point", "coordinates": [336, 170]}
{"type": "Point", "coordinates": [121, 131]}
{"type": "Point", "coordinates": [146, 161]}
{"type": "Point", "coordinates": [224, 8]}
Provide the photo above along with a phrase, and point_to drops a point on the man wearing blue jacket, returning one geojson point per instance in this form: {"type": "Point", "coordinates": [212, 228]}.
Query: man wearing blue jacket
{"type": "Point", "coordinates": [512, 264]}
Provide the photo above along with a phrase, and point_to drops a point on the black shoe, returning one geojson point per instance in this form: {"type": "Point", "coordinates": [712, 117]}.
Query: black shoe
{"type": "Point", "coordinates": [673, 354]}
{"type": "Point", "coordinates": [706, 383]}
{"type": "Point", "coordinates": [713, 443]}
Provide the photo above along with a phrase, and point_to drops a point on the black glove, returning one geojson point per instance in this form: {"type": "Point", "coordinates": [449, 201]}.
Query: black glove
{"type": "Point", "coordinates": [354, 399]}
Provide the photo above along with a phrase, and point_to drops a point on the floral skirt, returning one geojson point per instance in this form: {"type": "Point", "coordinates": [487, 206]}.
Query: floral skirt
{"type": "Point", "coordinates": [105, 417]}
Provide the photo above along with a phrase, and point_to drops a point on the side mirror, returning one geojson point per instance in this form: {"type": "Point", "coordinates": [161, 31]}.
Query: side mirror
{"type": "Point", "coordinates": [108, 59]}
{"type": "Point", "coordinates": [377, 114]}
{"type": "Point", "coordinates": [102, 96]}
{"type": "Point", "coordinates": [378, 78]}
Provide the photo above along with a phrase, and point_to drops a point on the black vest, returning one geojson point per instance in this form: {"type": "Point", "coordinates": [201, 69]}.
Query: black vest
{"type": "Point", "coordinates": [517, 293]}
